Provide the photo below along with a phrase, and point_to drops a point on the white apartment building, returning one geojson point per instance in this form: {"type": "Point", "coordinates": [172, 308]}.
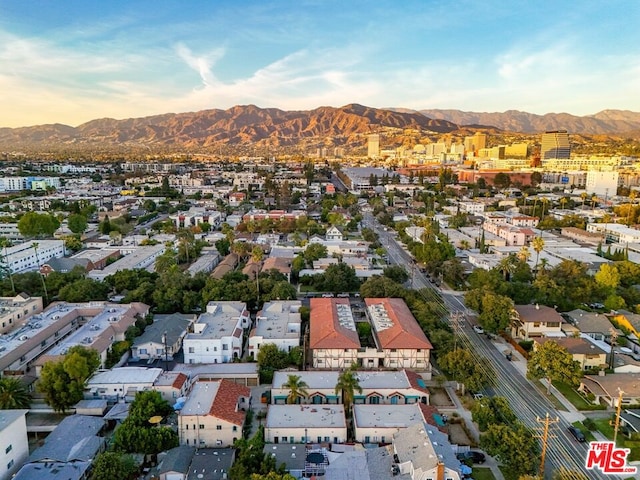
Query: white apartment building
{"type": "Point", "coordinates": [615, 232]}
{"type": "Point", "coordinates": [13, 441]}
{"type": "Point", "coordinates": [217, 334]}
{"type": "Point", "coordinates": [471, 207]}
{"type": "Point", "coordinates": [14, 311]}
{"type": "Point", "coordinates": [121, 383]}
{"type": "Point", "coordinates": [278, 323]}
{"type": "Point", "coordinates": [197, 215]}
{"type": "Point", "coordinates": [602, 183]}
{"type": "Point", "coordinates": [213, 414]}
{"type": "Point", "coordinates": [305, 424]}
{"type": "Point", "coordinates": [32, 255]}
{"type": "Point", "coordinates": [378, 423]}
{"type": "Point", "coordinates": [140, 257]}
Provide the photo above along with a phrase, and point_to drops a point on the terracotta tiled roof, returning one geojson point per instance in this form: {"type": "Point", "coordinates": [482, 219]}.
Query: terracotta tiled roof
{"type": "Point", "coordinates": [225, 405]}
{"type": "Point", "coordinates": [428, 411]}
{"type": "Point", "coordinates": [325, 331]}
{"type": "Point", "coordinates": [413, 378]}
{"type": "Point", "coordinates": [237, 332]}
{"type": "Point", "coordinates": [179, 381]}
{"type": "Point", "coordinates": [405, 332]}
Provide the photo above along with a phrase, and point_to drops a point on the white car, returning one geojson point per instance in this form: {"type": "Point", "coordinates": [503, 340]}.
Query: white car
{"type": "Point", "coordinates": [478, 329]}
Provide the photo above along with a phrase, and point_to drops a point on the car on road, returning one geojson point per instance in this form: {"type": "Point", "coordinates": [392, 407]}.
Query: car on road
{"type": "Point", "coordinates": [478, 329]}
{"type": "Point", "coordinates": [475, 457]}
{"type": "Point", "coordinates": [577, 433]}
{"type": "Point", "coordinates": [328, 295]}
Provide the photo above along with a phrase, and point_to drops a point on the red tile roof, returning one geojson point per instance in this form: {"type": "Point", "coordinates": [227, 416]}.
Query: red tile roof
{"type": "Point", "coordinates": [325, 331]}
{"type": "Point", "coordinates": [405, 332]}
{"type": "Point", "coordinates": [179, 381]}
{"type": "Point", "coordinates": [225, 405]}
{"type": "Point", "coordinates": [413, 381]}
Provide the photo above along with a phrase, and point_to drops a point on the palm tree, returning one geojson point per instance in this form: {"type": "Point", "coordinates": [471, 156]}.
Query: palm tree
{"type": "Point", "coordinates": [13, 394]}
{"type": "Point", "coordinates": [4, 243]}
{"type": "Point", "coordinates": [348, 384]}
{"type": "Point", "coordinates": [297, 388]}
{"type": "Point", "coordinates": [44, 284]}
{"type": "Point", "coordinates": [186, 238]}
{"type": "Point", "coordinates": [538, 246]}
{"type": "Point", "coordinates": [507, 266]}
{"type": "Point", "coordinates": [584, 196]}
{"type": "Point", "coordinates": [524, 254]}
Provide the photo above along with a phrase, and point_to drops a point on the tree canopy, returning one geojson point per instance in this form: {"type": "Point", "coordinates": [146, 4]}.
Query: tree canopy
{"type": "Point", "coordinates": [553, 363]}
{"type": "Point", "coordinates": [13, 394]}
{"type": "Point", "coordinates": [33, 224]}
{"type": "Point", "coordinates": [62, 381]}
{"type": "Point", "coordinates": [113, 466]}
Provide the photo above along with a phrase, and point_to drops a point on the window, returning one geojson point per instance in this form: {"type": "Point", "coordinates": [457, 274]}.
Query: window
{"type": "Point", "coordinates": [201, 426]}
{"type": "Point", "coordinates": [218, 427]}
{"type": "Point", "coordinates": [8, 449]}
{"type": "Point", "coordinates": [192, 350]}
{"type": "Point", "coordinates": [225, 347]}
{"type": "Point", "coordinates": [536, 324]}
{"type": "Point", "coordinates": [235, 428]}
{"type": "Point", "coordinates": [9, 465]}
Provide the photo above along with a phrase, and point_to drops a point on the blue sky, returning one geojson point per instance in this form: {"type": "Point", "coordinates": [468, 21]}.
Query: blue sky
{"type": "Point", "coordinates": [72, 61]}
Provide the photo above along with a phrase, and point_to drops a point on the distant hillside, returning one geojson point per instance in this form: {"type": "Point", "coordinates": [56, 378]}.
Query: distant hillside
{"type": "Point", "coordinates": [605, 122]}
{"type": "Point", "coordinates": [235, 126]}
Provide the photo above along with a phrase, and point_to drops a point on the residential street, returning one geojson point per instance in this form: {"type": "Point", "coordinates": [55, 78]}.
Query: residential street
{"type": "Point", "coordinates": [527, 401]}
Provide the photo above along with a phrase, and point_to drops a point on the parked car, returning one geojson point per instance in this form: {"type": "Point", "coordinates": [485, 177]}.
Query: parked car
{"type": "Point", "coordinates": [478, 329]}
{"type": "Point", "coordinates": [577, 433]}
{"type": "Point", "coordinates": [328, 295]}
{"type": "Point", "coordinates": [475, 457]}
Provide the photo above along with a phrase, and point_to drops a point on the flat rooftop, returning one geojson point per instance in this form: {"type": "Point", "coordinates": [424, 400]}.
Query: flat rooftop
{"type": "Point", "coordinates": [387, 416]}
{"type": "Point", "coordinates": [305, 416]}
{"type": "Point", "coordinates": [279, 319]}
{"type": "Point", "coordinates": [200, 398]}
{"type": "Point", "coordinates": [126, 375]}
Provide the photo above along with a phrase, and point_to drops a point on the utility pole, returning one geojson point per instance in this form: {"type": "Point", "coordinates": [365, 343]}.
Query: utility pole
{"type": "Point", "coordinates": [456, 318]}
{"type": "Point", "coordinates": [614, 339]}
{"type": "Point", "coordinates": [617, 423]}
{"type": "Point", "coordinates": [545, 439]}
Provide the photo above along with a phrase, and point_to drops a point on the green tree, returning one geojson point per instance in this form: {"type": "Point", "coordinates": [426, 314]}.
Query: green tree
{"type": "Point", "coordinates": [113, 466]}
{"type": "Point", "coordinates": [347, 386]}
{"type": "Point", "coordinates": [553, 363]}
{"type": "Point", "coordinates": [313, 252]}
{"type": "Point", "coordinates": [270, 358]}
{"type": "Point", "coordinates": [608, 278]}
{"type": "Point", "coordinates": [463, 368]}
{"type": "Point", "coordinates": [62, 381]}
{"type": "Point", "coordinates": [397, 273]}
{"type": "Point", "coordinates": [13, 394]}
{"type": "Point", "coordinates": [492, 411]}
{"type": "Point", "coordinates": [297, 388]}
{"type": "Point", "coordinates": [338, 278]}
{"type": "Point", "coordinates": [223, 246]}
{"type": "Point", "coordinates": [77, 223]}
{"type": "Point", "coordinates": [84, 290]}
{"type": "Point", "coordinates": [137, 435]}
{"type": "Point", "coordinates": [515, 445]}
{"type": "Point", "coordinates": [381, 287]}
{"type": "Point", "coordinates": [33, 224]}
{"type": "Point", "coordinates": [495, 312]}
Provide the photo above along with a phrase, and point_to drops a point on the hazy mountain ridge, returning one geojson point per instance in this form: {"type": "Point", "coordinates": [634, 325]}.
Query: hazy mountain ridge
{"type": "Point", "coordinates": [344, 126]}
{"type": "Point", "coordinates": [604, 122]}
{"type": "Point", "coordinates": [237, 125]}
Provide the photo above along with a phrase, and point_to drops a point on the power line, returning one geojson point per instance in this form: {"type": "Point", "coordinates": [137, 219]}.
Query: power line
{"type": "Point", "coordinates": [545, 438]}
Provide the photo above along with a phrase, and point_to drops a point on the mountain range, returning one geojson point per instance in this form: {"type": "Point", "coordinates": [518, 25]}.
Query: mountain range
{"type": "Point", "coordinates": [328, 126]}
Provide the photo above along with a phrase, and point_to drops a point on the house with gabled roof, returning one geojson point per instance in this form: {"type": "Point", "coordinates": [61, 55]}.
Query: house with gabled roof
{"type": "Point", "coordinates": [531, 321]}
{"type": "Point", "coordinates": [213, 414]}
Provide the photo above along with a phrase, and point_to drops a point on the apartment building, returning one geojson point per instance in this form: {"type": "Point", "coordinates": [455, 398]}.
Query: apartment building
{"type": "Point", "coordinates": [217, 334]}
{"type": "Point", "coordinates": [13, 442]}
{"type": "Point", "coordinates": [305, 423]}
{"type": "Point", "coordinates": [32, 255]}
{"type": "Point", "coordinates": [15, 311]}
{"type": "Point", "coordinates": [278, 323]}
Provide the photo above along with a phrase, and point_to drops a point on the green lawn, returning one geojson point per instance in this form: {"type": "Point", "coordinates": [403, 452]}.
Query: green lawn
{"type": "Point", "coordinates": [605, 427]}
{"type": "Point", "coordinates": [552, 398]}
{"type": "Point", "coordinates": [482, 474]}
{"type": "Point", "coordinates": [575, 398]}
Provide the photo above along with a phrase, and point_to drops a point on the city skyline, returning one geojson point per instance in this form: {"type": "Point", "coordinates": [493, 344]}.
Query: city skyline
{"type": "Point", "coordinates": [76, 61]}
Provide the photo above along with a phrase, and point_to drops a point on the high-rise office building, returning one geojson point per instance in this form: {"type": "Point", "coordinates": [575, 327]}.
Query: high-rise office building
{"type": "Point", "coordinates": [555, 144]}
{"type": "Point", "coordinates": [373, 146]}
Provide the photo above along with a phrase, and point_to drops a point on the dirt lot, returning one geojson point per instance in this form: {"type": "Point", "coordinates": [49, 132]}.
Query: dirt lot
{"type": "Point", "coordinates": [439, 397]}
{"type": "Point", "coordinates": [457, 435]}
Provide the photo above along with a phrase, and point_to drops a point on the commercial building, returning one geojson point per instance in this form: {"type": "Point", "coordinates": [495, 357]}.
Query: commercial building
{"type": "Point", "coordinates": [555, 144]}
{"type": "Point", "coordinates": [213, 414]}
{"type": "Point", "coordinates": [602, 183]}
{"type": "Point", "coordinates": [373, 146]}
{"type": "Point", "coordinates": [277, 323]}
{"type": "Point", "coordinates": [217, 334]}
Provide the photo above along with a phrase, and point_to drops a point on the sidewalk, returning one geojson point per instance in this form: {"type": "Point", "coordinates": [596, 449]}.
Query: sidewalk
{"type": "Point", "coordinates": [465, 414]}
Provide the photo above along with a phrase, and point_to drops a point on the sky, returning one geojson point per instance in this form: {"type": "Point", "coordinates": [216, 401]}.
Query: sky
{"type": "Point", "coordinates": [72, 61]}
